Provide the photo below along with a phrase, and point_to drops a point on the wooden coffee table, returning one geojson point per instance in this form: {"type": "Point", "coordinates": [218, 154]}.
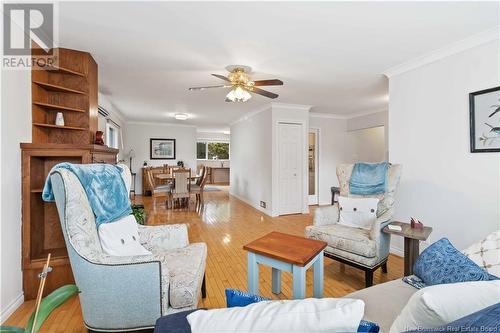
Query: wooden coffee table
{"type": "Point", "coordinates": [288, 253]}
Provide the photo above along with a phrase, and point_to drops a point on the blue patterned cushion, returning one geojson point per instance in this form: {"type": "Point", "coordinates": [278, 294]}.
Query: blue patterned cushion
{"type": "Point", "coordinates": [236, 297]}
{"type": "Point", "coordinates": [443, 263]}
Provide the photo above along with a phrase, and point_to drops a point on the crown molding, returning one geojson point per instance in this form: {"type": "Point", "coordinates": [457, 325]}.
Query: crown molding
{"type": "Point", "coordinates": [121, 117]}
{"type": "Point", "coordinates": [218, 130]}
{"type": "Point", "coordinates": [365, 113]}
{"type": "Point", "coordinates": [251, 114]}
{"type": "Point", "coordinates": [449, 50]}
{"type": "Point", "coordinates": [292, 106]}
{"type": "Point", "coordinates": [327, 115]}
{"type": "Point", "coordinates": [269, 107]}
{"type": "Point", "coordinates": [344, 116]}
{"type": "Point", "coordinates": [159, 123]}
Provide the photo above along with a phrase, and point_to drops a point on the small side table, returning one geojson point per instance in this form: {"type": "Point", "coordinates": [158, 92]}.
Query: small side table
{"type": "Point", "coordinates": [412, 242]}
{"type": "Point", "coordinates": [288, 253]}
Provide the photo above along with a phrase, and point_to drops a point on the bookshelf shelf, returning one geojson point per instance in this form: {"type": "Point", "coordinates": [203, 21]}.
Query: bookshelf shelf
{"type": "Point", "coordinates": [54, 87]}
{"type": "Point", "coordinates": [72, 128]}
{"type": "Point", "coordinates": [56, 107]}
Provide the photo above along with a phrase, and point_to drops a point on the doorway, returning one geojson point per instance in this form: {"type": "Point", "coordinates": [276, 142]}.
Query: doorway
{"type": "Point", "coordinates": [290, 170]}
{"type": "Point", "coordinates": [313, 166]}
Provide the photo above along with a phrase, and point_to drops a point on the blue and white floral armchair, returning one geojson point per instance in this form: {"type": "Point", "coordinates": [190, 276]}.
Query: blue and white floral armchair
{"type": "Point", "coordinates": [127, 293]}
{"type": "Point", "coordinates": [360, 248]}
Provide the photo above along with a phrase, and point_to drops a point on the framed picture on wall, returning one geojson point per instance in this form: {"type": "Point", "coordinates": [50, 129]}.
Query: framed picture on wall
{"type": "Point", "coordinates": [162, 149]}
{"type": "Point", "coordinates": [484, 108]}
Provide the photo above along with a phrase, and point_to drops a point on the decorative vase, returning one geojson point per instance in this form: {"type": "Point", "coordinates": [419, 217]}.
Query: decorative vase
{"type": "Point", "coordinates": [59, 119]}
{"type": "Point", "coordinates": [99, 140]}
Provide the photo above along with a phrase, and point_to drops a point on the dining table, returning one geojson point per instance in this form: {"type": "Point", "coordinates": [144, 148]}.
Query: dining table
{"type": "Point", "coordinates": [168, 176]}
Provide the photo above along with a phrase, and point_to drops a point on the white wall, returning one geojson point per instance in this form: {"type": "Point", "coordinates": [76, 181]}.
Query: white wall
{"type": "Point", "coordinates": [332, 151]}
{"type": "Point", "coordinates": [137, 135]}
{"type": "Point", "coordinates": [369, 121]}
{"type": "Point", "coordinates": [251, 160]}
{"type": "Point", "coordinates": [449, 188]}
{"type": "Point", "coordinates": [366, 145]}
{"type": "Point", "coordinates": [16, 128]}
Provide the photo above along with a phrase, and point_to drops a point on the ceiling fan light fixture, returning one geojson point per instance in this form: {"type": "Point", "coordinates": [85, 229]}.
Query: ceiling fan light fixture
{"type": "Point", "coordinates": [181, 116]}
{"type": "Point", "coordinates": [238, 94]}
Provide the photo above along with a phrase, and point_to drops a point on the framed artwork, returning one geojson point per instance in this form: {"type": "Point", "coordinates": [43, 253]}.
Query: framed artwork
{"type": "Point", "coordinates": [484, 108]}
{"type": "Point", "coordinates": [162, 149]}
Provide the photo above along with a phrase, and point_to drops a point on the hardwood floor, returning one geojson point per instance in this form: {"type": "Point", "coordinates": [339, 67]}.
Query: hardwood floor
{"type": "Point", "coordinates": [226, 224]}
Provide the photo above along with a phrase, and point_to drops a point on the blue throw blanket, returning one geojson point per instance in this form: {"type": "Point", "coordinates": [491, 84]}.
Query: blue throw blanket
{"type": "Point", "coordinates": [104, 186]}
{"type": "Point", "coordinates": [368, 178]}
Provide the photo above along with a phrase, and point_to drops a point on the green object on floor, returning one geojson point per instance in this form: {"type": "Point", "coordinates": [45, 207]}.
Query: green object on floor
{"type": "Point", "coordinates": [139, 214]}
{"type": "Point", "coordinates": [48, 304]}
{"type": "Point", "coordinates": [11, 329]}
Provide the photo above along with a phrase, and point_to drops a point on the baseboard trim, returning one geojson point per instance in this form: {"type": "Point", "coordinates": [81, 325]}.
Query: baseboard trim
{"type": "Point", "coordinates": [9, 309]}
{"type": "Point", "coordinates": [397, 251]}
{"type": "Point", "coordinates": [245, 200]}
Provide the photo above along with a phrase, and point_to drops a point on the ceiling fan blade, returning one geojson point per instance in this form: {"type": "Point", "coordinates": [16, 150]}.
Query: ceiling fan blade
{"type": "Point", "coordinates": [208, 87]}
{"type": "Point", "coordinates": [273, 82]}
{"type": "Point", "coordinates": [263, 92]}
{"type": "Point", "coordinates": [222, 77]}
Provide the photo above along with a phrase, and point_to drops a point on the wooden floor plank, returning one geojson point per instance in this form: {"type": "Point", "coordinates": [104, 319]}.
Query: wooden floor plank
{"type": "Point", "coordinates": [226, 224]}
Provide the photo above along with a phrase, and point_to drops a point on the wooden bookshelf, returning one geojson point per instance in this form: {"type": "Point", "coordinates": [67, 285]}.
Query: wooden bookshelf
{"type": "Point", "coordinates": [69, 88]}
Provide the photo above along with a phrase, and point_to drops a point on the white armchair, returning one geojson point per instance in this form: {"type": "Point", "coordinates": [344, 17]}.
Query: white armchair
{"type": "Point", "coordinates": [360, 248]}
{"type": "Point", "coordinates": [132, 292]}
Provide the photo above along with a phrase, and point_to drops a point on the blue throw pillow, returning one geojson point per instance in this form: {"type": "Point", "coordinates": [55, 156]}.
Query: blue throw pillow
{"type": "Point", "coordinates": [442, 263]}
{"type": "Point", "coordinates": [236, 297]}
{"type": "Point", "coordinates": [239, 298]}
{"type": "Point", "coordinates": [368, 326]}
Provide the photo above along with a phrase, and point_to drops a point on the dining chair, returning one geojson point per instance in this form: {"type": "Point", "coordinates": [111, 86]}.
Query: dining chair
{"type": "Point", "coordinates": [181, 186]}
{"type": "Point", "coordinates": [197, 189]}
{"type": "Point", "coordinates": [157, 190]}
{"type": "Point", "coordinates": [200, 175]}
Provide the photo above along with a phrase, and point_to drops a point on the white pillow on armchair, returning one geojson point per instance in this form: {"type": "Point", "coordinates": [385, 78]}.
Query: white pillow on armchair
{"type": "Point", "coordinates": [121, 238]}
{"type": "Point", "coordinates": [358, 212]}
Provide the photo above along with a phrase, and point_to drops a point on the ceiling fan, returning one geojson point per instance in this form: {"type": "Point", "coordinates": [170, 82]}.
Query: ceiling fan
{"type": "Point", "coordinates": [242, 85]}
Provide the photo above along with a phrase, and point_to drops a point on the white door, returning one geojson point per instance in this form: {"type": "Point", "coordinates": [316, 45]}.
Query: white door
{"type": "Point", "coordinates": [290, 155]}
{"type": "Point", "coordinates": [313, 166]}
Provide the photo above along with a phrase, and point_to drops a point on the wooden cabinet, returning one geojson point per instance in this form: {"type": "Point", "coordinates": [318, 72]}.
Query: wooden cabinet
{"type": "Point", "coordinates": [69, 88]}
{"type": "Point", "coordinates": [219, 175]}
{"type": "Point", "coordinates": [41, 229]}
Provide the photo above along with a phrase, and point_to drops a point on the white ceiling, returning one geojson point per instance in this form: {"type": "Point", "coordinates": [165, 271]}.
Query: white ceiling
{"type": "Point", "coordinates": [329, 54]}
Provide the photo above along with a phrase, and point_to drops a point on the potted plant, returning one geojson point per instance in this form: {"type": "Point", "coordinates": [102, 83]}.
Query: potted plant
{"type": "Point", "coordinates": [139, 214]}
